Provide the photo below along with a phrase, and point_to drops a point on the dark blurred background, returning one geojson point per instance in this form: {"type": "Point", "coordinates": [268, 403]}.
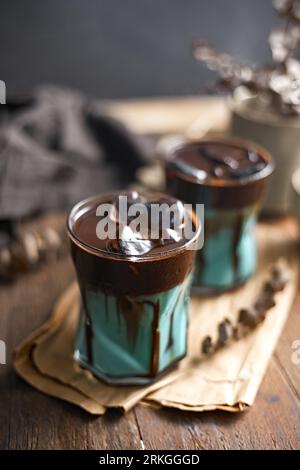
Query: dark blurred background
{"type": "Point", "coordinates": [125, 48]}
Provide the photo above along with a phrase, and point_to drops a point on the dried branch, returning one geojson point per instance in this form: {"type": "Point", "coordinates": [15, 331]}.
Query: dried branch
{"type": "Point", "coordinates": [289, 9]}
{"type": "Point", "coordinates": [278, 84]}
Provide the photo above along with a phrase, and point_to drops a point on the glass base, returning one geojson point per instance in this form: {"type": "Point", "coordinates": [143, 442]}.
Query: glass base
{"type": "Point", "coordinates": [146, 380]}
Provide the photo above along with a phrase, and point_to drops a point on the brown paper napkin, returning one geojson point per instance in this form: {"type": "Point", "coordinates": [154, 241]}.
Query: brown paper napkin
{"type": "Point", "coordinates": [227, 380]}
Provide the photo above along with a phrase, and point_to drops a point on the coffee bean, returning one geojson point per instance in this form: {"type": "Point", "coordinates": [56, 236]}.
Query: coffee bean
{"type": "Point", "coordinates": [276, 272]}
{"type": "Point", "coordinates": [248, 317]}
{"type": "Point", "coordinates": [265, 301]}
{"type": "Point", "coordinates": [52, 238]}
{"type": "Point", "coordinates": [279, 272]}
{"type": "Point", "coordinates": [207, 345]}
{"type": "Point", "coordinates": [261, 316]}
{"type": "Point", "coordinates": [268, 288]}
{"type": "Point", "coordinates": [225, 331]}
{"type": "Point", "coordinates": [30, 246]}
{"type": "Point", "coordinates": [274, 285]}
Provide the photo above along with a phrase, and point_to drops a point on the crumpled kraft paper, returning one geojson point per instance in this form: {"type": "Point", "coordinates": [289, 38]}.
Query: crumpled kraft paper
{"type": "Point", "coordinates": [228, 380]}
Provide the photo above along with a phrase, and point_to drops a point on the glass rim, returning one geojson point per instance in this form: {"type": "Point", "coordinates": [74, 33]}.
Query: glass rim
{"type": "Point", "coordinates": [218, 183]}
{"type": "Point", "coordinates": [82, 206]}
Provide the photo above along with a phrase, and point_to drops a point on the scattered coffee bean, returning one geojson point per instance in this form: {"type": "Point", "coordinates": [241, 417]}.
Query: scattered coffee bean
{"type": "Point", "coordinates": [29, 250]}
{"type": "Point", "coordinates": [248, 317]}
{"type": "Point", "coordinates": [261, 316]}
{"type": "Point", "coordinates": [225, 331]}
{"type": "Point", "coordinates": [207, 345]}
{"type": "Point", "coordinates": [30, 246]}
{"type": "Point", "coordinates": [276, 272]}
{"type": "Point", "coordinates": [279, 272]}
{"type": "Point", "coordinates": [52, 238]}
{"type": "Point", "coordinates": [268, 287]}
{"type": "Point", "coordinates": [265, 301]}
{"type": "Point", "coordinates": [274, 285]}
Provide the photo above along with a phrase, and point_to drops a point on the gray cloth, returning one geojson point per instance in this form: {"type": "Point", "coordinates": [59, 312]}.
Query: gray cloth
{"type": "Point", "coordinates": [57, 148]}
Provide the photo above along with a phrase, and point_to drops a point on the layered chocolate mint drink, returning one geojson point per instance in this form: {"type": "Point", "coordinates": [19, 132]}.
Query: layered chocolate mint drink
{"type": "Point", "coordinates": [229, 177]}
{"type": "Point", "coordinates": [134, 284]}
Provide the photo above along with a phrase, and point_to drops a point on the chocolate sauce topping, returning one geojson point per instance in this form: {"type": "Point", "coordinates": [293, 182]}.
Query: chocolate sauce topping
{"type": "Point", "coordinates": [132, 240]}
{"type": "Point", "coordinates": [129, 265]}
{"type": "Point", "coordinates": [221, 173]}
{"type": "Point", "coordinates": [218, 160]}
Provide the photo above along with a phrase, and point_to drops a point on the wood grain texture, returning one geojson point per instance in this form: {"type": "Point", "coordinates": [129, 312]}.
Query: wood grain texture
{"type": "Point", "coordinates": [272, 423]}
{"type": "Point", "coordinates": [31, 420]}
{"type": "Point", "coordinates": [284, 351]}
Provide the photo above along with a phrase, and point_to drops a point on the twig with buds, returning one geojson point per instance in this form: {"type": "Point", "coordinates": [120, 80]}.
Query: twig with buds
{"type": "Point", "coordinates": [277, 85]}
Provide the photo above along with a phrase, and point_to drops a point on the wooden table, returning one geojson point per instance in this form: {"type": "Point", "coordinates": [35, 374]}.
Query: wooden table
{"type": "Point", "coordinates": [31, 420]}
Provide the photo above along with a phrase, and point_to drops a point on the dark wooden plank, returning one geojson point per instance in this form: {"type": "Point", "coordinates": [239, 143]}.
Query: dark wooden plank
{"type": "Point", "coordinates": [24, 306]}
{"type": "Point", "coordinates": [272, 423]}
{"type": "Point", "coordinates": [40, 422]}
